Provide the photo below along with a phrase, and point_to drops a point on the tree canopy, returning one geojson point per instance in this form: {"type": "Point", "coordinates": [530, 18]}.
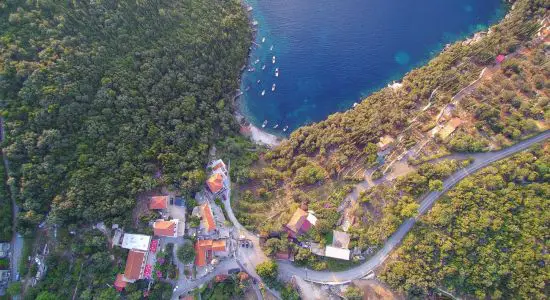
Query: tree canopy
{"type": "Point", "coordinates": [105, 99]}
{"type": "Point", "coordinates": [486, 238]}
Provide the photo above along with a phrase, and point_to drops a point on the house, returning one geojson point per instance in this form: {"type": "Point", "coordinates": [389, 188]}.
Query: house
{"type": "Point", "coordinates": [338, 253]}
{"type": "Point", "coordinates": [135, 241]}
{"type": "Point", "coordinates": [215, 183]}
{"type": "Point", "coordinates": [218, 181]}
{"type": "Point", "coordinates": [340, 239]}
{"type": "Point", "coordinates": [4, 250]}
{"type": "Point", "coordinates": [166, 228]}
{"type": "Point", "coordinates": [159, 202]}
{"type": "Point", "coordinates": [218, 166]}
{"type": "Point", "coordinates": [300, 223]}
{"type": "Point", "coordinates": [207, 222]}
{"type": "Point", "coordinates": [205, 250]}
{"type": "Point", "coordinates": [119, 283]}
{"type": "Point", "coordinates": [385, 142]}
{"type": "Point", "coordinates": [135, 265]}
{"type": "Point", "coordinates": [449, 128]}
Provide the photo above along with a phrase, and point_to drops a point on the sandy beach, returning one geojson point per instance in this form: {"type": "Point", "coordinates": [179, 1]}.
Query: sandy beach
{"type": "Point", "coordinates": [256, 134]}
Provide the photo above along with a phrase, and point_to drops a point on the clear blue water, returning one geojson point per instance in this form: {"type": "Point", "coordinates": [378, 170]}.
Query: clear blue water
{"type": "Point", "coordinates": [332, 53]}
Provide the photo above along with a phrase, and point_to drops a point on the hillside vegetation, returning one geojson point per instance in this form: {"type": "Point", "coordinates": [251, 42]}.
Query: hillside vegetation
{"type": "Point", "coordinates": [318, 160]}
{"type": "Point", "coordinates": [106, 99]}
{"type": "Point", "coordinates": [487, 238]}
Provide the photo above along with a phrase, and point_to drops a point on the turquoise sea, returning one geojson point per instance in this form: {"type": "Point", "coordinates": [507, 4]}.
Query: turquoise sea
{"type": "Point", "coordinates": [332, 53]}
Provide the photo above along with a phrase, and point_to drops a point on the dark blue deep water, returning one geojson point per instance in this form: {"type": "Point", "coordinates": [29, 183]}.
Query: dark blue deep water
{"type": "Point", "coordinates": [332, 53]}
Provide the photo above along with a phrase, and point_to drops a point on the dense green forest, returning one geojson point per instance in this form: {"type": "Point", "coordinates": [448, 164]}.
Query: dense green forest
{"type": "Point", "coordinates": [105, 99]}
{"type": "Point", "coordinates": [5, 209]}
{"type": "Point", "coordinates": [488, 237]}
{"type": "Point", "coordinates": [319, 155]}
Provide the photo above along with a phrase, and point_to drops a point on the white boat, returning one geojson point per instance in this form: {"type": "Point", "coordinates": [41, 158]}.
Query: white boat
{"type": "Point", "coordinates": [263, 92]}
{"type": "Point", "coordinates": [264, 123]}
{"type": "Point", "coordinates": [285, 129]}
{"type": "Point", "coordinates": [251, 69]}
{"type": "Point", "coordinates": [258, 82]}
{"type": "Point", "coordinates": [273, 60]}
{"type": "Point", "coordinates": [276, 72]}
{"type": "Point", "coordinates": [276, 125]}
{"type": "Point", "coordinates": [273, 88]}
{"type": "Point", "coordinates": [263, 67]}
{"type": "Point", "coordinates": [271, 49]}
{"type": "Point", "coordinates": [263, 40]}
{"type": "Point", "coordinates": [256, 61]}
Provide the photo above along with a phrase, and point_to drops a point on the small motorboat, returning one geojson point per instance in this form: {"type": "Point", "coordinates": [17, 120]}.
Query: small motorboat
{"type": "Point", "coordinates": [276, 72]}
{"type": "Point", "coordinates": [276, 125]}
{"type": "Point", "coordinates": [273, 60]}
{"type": "Point", "coordinates": [263, 92]}
{"type": "Point", "coordinates": [273, 88]}
{"type": "Point", "coordinates": [251, 69]}
{"type": "Point", "coordinates": [285, 129]}
{"type": "Point", "coordinates": [256, 61]}
{"type": "Point", "coordinates": [264, 123]}
{"type": "Point", "coordinates": [263, 40]}
{"type": "Point", "coordinates": [271, 49]}
{"type": "Point", "coordinates": [263, 67]}
{"type": "Point", "coordinates": [258, 82]}
{"type": "Point", "coordinates": [247, 89]}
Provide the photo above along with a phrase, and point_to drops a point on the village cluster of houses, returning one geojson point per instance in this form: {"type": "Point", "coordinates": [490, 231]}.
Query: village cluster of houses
{"type": "Point", "coordinates": [211, 236]}
{"type": "Point", "coordinates": [142, 248]}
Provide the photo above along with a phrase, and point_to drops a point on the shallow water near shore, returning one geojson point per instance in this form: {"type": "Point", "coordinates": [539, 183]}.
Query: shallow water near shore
{"type": "Point", "coordinates": [331, 54]}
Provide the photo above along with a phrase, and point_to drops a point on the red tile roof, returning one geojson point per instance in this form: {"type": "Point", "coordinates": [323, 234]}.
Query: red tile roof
{"type": "Point", "coordinates": [203, 249]}
{"type": "Point", "coordinates": [133, 265]}
{"type": "Point", "coordinates": [164, 228]}
{"type": "Point", "coordinates": [158, 202]}
{"type": "Point", "coordinates": [297, 220]}
{"type": "Point", "coordinates": [219, 165]}
{"type": "Point", "coordinates": [215, 183]}
{"type": "Point", "coordinates": [120, 284]}
{"type": "Point", "coordinates": [207, 217]}
{"type": "Point", "coordinates": [218, 245]}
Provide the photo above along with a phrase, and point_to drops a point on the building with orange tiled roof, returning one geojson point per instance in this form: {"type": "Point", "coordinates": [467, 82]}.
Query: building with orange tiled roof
{"type": "Point", "coordinates": [218, 245]}
{"type": "Point", "coordinates": [208, 223]}
{"type": "Point", "coordinates": [119, 283]}
{"type": "Point", "coordinates": [300, 222]}
{"type": "Point", "coordinates": [135, 265]}
{"type": "Point", "coordinates": [206, 249]}
{"type": "Point", "coordinates": [166, 228]}
{"type": "Point", "coordinates": [159, 202]}
{"type": "Point", "coordinates": [215, 183]}
{"type": "Point", "coordinates": [218, 181]}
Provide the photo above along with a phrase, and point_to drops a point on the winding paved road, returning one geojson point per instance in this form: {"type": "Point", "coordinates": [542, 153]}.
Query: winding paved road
{"type": "Point", "coordinates": [481, 160]}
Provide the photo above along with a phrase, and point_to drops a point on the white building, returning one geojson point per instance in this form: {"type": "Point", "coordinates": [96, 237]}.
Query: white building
{"type": "Point", "coordinates": [136, 241]}
{"type": "Point", "coordinates": [338, 253]}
